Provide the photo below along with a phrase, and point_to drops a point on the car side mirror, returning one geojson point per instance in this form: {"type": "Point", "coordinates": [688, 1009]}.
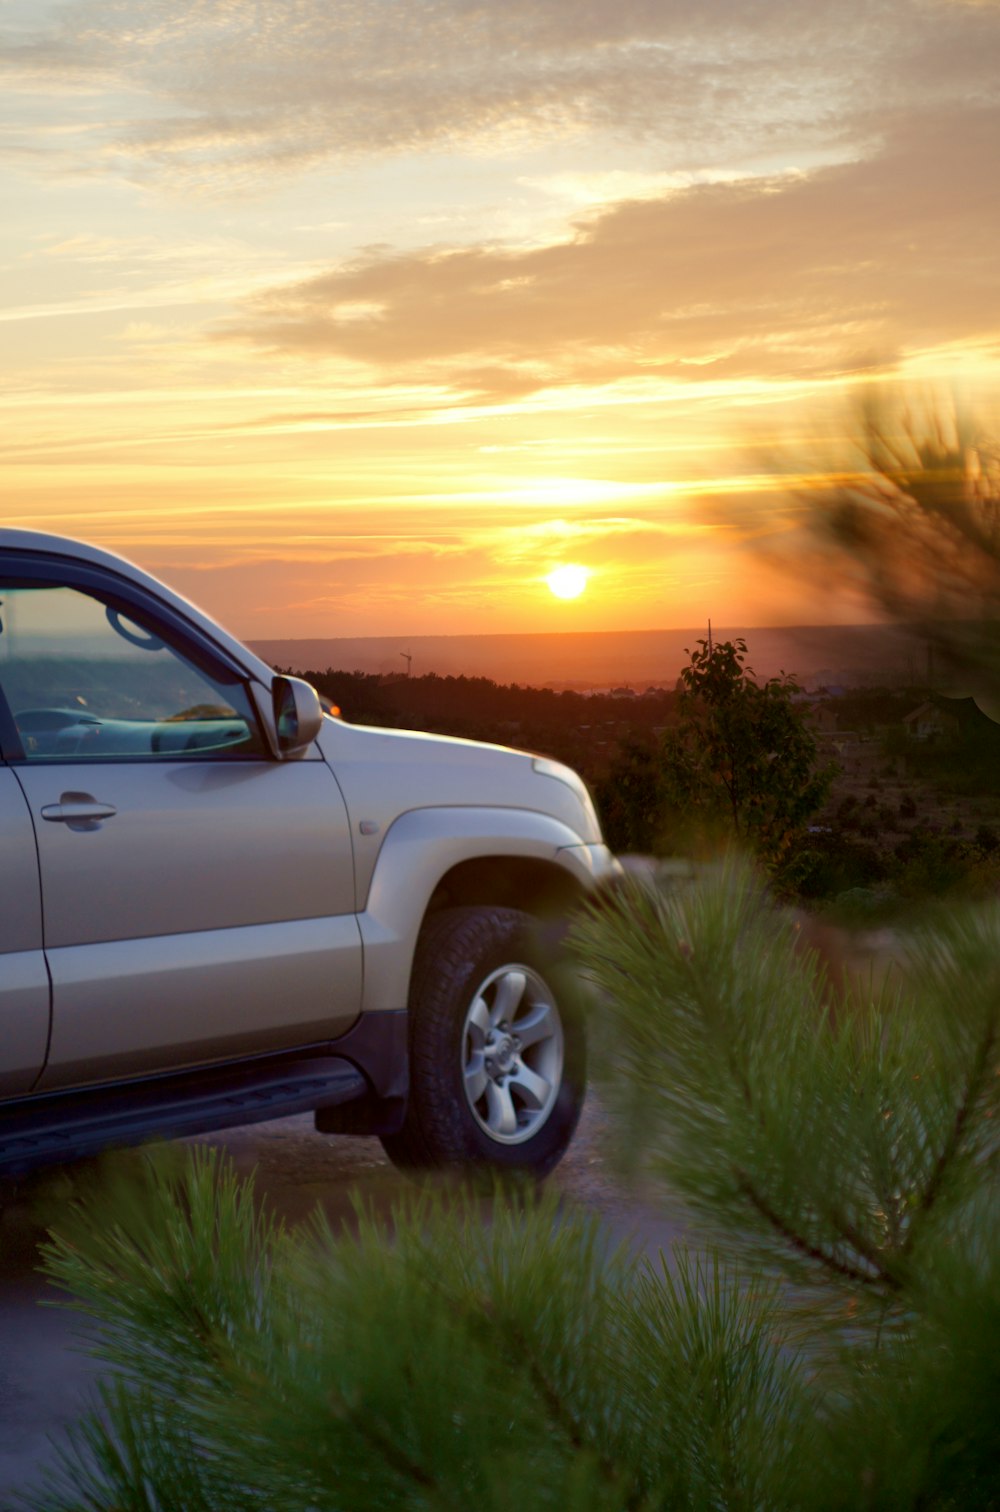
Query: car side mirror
{"type": "Point", "coordinates": [298, 714]}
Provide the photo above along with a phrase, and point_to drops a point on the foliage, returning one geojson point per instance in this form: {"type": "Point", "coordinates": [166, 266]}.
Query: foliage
{"type": "Point", "coordinates": [765, 1102]}
{"type": "Point", "coordinates": [966, 760]}
{"type": "Point", "coordinates": [849, 872]}
{"type": "Point", "coordinates": [463, 705]}
{"type": "Point", "coordinates": [824, 865]}
{"type": "Point", "coordinates": [849, 1140]}
{"type": "Point", "coordinates": [914, 521]}
{"type": "Point", "coordinates": [439, 1361]}
{"type": "Point", "coordinates": [840, 1151]}
{"type": "Point", "coordinates": [741, 760]}
{"type": "Point", "coordinates": [987, 840]}
{"type": "Point", "coordinates": [631, 798]}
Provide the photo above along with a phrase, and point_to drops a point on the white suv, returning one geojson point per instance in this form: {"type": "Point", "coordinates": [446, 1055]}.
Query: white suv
{"type": "Point", "coordinates": [218, 905]}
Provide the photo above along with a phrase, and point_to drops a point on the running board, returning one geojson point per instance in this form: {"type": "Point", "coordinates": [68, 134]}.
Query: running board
{"type": "Point", "coordinates": [68, 1126]}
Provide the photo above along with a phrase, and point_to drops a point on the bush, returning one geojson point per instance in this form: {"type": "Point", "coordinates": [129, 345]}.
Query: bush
{"type": "Point", "coordinates": [986, 839]}
{"type": "Point", "coordinates": [847, 807]}
{"type": "Point", "coordinates": [825, 865]}
{"type": "Point", "coordinates": [631, 797]}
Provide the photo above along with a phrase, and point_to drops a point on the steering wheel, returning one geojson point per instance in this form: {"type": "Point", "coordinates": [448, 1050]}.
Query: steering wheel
{"type": "Point", "coordinates": [130, 632]}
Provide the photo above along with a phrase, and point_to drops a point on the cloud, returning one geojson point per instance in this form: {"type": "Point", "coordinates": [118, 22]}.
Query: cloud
{"type": "Point", "coordinates": [226, 89]}
{"type": "Point", "coordinates": [759, 278]}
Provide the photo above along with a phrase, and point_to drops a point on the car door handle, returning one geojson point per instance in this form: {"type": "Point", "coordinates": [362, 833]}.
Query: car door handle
{"type": "Point", "coordinates": [78, 809]}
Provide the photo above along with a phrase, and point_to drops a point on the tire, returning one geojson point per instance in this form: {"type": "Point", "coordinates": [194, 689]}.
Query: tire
{"type": "Point", "coordinates": [482, 1096]}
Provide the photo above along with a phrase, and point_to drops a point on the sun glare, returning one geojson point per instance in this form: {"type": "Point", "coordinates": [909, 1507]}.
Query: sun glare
{"type": "Point", "coordinates": [568, 582]}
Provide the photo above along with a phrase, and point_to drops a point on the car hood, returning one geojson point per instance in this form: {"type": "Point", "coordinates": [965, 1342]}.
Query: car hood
{"type": "Point", "coordinates": [384, 773]}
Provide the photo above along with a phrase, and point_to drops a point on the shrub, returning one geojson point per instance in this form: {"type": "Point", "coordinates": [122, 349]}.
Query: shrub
{"type": "Point", "coordinates": [825, 865]}
{"type": "Point", "coordinates": [986, 839]}
{"type": "Point", "coordinates": [932, 864]}
{"type": "Point", "coordinates": [631, 799]}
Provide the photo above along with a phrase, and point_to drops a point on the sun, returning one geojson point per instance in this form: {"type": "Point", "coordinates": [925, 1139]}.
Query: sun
{"type": "Point", "coordinates": [568, 582]}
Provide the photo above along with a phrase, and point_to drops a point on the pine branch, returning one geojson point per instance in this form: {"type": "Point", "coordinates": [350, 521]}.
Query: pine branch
{"type": "Point", "coordinates": [391, 1451]}
{"type": "Point", "coordinates": [952, 1145]}
{"type": "Point", "coordinates": [520, 1349]}
{"type": "Point", "coordinates": [565, 1419]}
{"type": "Point", "coordinates": [814, 1252]}
{"type": "Point", "coordinates": [558, 1410]}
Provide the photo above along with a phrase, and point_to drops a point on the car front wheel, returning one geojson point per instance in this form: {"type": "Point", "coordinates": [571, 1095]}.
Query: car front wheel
{"type": "Point", "coordinates": [497, 1050]}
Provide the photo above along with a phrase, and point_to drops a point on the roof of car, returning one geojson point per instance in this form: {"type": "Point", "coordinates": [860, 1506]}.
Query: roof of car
{"type": "Point", "coordinates": [82, 551]}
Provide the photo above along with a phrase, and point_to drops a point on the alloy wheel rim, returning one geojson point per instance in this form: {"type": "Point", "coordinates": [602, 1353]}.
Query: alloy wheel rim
{"type": "Point", "coordinates": [512, 1054]}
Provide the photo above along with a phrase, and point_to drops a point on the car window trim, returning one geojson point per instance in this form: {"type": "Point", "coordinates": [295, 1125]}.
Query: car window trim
{"type": "Point", "coordinates": [32, 568]}
{"type": "Point", "coordinates": [35, 569]}
{"type": "Point", "coordinates": [11, 749]}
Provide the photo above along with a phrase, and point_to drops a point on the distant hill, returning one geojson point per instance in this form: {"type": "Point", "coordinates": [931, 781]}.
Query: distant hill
{"type": "Point", "coordinates": [851, 655]}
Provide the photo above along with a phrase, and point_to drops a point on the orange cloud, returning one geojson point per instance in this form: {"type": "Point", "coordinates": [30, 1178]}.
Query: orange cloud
{"type": "Point", "coordinates": [761, 278]}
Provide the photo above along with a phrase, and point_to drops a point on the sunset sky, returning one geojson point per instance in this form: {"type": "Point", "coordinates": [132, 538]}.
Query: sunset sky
{"type": "Point", "coordinates": [359, 317]}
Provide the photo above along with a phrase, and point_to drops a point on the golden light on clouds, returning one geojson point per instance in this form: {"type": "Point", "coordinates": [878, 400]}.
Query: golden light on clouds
{"type": "Point", "coordinates": [377, 308]}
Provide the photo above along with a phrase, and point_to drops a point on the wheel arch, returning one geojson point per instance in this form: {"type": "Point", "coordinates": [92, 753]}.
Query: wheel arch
{"type": "Point", "coordinates": [539, 887]}
{"type": "Point", "coordinates": [462, 857]}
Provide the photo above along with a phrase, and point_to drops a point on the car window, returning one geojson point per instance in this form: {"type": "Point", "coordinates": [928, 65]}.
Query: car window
{"type": "Point", "coordinates": [85, 681]}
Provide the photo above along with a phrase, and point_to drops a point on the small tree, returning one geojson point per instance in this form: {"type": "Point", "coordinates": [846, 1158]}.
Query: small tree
{"type": "Point", "coordinates": [742, 762]}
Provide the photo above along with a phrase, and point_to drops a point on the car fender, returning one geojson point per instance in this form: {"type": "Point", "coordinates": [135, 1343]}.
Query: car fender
{"type": "Point", "coordinates": [424, 844]}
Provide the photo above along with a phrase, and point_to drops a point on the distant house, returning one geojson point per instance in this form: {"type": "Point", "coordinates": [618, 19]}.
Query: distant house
{"type": "Point", "coordinates": [822, 719]}
{"type": "Point", "coordinates": [929, 722]}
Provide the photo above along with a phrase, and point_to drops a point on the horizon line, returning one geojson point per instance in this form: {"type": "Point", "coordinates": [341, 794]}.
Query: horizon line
{"type": "Point", "coordinates": [537, 634]}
